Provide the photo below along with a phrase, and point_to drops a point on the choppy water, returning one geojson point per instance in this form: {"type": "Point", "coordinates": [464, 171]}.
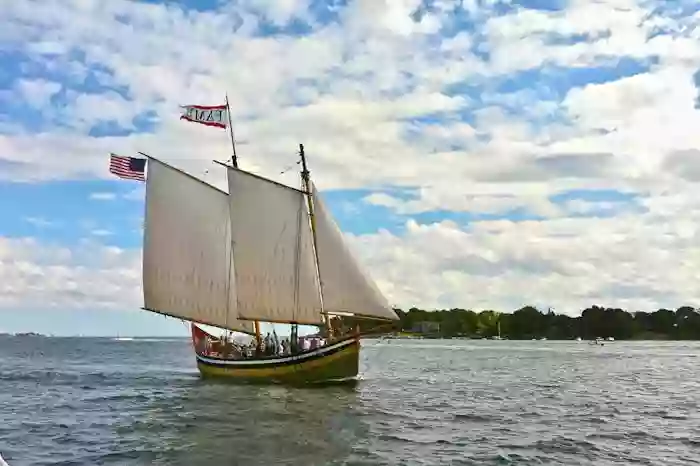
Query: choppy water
{"type": "Point", "coordinates": [430, 402]}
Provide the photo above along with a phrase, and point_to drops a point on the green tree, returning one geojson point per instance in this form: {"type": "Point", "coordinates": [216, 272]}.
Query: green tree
{"type": "Point", "coordinates": [528, 322]}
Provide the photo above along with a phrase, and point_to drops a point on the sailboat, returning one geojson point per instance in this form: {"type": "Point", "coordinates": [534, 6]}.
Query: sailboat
{"type": "Point", "coordinates": [498, 337]}
{"type": "Point", "coordinates": [263, 252]}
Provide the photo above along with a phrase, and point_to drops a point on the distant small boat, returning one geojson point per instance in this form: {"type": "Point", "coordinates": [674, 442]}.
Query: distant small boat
{"type": "Point", "coordinates": [597, 341]}
{"type": "Point", "coordinates": [498, 337]}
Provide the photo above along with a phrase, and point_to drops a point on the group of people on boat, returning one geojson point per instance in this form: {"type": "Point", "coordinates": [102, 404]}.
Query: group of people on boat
{"type": "Point", "coordinates": [270, 346]}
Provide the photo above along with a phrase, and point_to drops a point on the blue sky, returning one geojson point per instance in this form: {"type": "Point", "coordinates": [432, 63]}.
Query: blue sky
{"type": "Point", "coordinates": [422, 117]}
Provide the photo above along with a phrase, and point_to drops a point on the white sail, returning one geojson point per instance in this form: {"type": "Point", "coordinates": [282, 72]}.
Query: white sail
{"type": "Point", "coordinates": [345, 286]}
{"type": "Point", "coordinates": [274, 267]}
{"type": "Point", "coordinates": [186, 250]}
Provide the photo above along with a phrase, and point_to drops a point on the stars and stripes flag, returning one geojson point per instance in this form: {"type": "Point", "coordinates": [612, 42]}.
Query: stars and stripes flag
{"type": "Point", "coordinates": [216, 116]}
{"type": "Point", "coordinates": [130, 168]}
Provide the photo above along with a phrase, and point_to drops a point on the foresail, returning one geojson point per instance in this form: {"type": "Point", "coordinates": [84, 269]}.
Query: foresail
{"type": "Point", "coordinates": [345, 286]}
{"type": "Point", "coordinates": [274, 268]}
{"type": "Point", "coordinates": [186, 250]}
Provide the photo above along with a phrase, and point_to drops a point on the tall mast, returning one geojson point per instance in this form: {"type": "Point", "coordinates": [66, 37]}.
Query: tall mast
{"type": "Point", "coordinates": [234, 162]}
{"type": "Point", "coordinates": [306, 186]}
{"type": "Point", "coordinates": [234, 157]}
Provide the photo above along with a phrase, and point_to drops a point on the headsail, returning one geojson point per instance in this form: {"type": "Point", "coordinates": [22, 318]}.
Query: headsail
{"type": "Point", "coordinates": [187, 249]}
{"type": "Point", "coordinates": [345, 286]}
{"type": "Point", "coordinates": [274, 269]}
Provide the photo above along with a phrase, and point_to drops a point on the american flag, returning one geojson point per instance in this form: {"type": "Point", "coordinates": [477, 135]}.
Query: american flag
{"type": "Point", "coordinates": [130, 168]}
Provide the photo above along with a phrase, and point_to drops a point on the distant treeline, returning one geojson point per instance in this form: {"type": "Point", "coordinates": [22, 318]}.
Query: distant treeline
{"type": "Point", "coordinates": [528, 322]}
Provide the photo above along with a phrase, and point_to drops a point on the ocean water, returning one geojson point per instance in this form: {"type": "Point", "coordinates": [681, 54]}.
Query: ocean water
{"type": "Point", "coordinates": [424, 402]}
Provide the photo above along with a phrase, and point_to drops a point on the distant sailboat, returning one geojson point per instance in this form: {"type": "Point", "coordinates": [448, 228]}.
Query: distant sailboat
{"type": "Point", "coordinates": [498, 337]}
{"type": "Point", "coordinates": [263, 252]}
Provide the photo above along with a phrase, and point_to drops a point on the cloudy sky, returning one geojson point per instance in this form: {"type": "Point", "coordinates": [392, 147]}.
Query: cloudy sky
{"type": "Point", "coordinates": [477, 153]}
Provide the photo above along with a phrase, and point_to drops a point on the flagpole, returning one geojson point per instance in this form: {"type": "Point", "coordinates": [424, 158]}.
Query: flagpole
{"type": "Point", "coordinates": [234, 158]}
{"type": "Point", "coordinates": [234, 162]}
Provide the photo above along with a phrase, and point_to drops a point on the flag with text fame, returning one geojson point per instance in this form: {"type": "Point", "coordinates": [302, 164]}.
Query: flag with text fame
{"type": "Point", "coordinates": [217, 116]}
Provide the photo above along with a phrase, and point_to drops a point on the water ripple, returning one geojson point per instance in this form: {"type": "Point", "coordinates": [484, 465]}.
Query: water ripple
{"type": "Point", "coordinates": [88, 402]}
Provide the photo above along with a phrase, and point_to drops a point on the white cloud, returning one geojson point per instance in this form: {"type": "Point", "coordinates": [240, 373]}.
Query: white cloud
{"type": "Point", "coordinates": [372, 96]}
{"type": "Point", "coordinates": [346, 99]}
{"type": "Point", "coordinates": [432, 198]}
{"type": "Point", "coordinates": [34, 275]}
{"type": "Point", "coordinates": [103, 196]}
{"type": "Point", "coordinates": [584, 33]}
{"type": "Point", "coordinates": [88, 110]}
{"type": "Point", "coordinates": [636, 262]}
{"type": "Point", "coordinates": [39, 222]}
{"type": "Point", "coordinates": [279, 12]}
{"type": "Point", "coordinates": [37, 92]}
{"type": "Point", "coordinates": [100, 232]}
{"type": "Point", "coordinates": [580, 206]}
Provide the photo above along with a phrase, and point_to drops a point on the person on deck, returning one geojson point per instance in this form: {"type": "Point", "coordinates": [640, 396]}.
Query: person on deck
{"type": "Point", "coordinates": [268, 345]}
{"type": "Point", "coordinates": [275, 342]}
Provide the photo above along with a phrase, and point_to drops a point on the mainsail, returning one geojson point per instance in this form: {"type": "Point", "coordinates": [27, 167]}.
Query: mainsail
{"type": "Point", "coordinates": [187, 250]}
{"type": "Point", "coordinates": [274, 269]}
{"type": "Point", "coordinates": [346, 288]}
{"type": "Point", "coordinates": [250, 255]}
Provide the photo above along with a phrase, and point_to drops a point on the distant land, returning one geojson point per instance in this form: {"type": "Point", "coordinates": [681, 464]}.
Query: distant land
{"type": "Point", "coordinates": [528, 322]}
{"type": "Point", "coordinates": [125, 338]}
{"type": "Point", "coordinates": [22, 334]}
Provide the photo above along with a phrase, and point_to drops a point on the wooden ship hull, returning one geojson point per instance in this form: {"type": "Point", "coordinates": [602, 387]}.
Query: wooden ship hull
{"type": "Point", "coordinates": [330, 364]}
{"type": "Point", "coordinates": [336, 362]}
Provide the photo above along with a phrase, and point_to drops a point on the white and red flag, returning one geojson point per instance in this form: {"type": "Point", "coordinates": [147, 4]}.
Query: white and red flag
{"type": "Point", "coordinates": [216, 115]}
